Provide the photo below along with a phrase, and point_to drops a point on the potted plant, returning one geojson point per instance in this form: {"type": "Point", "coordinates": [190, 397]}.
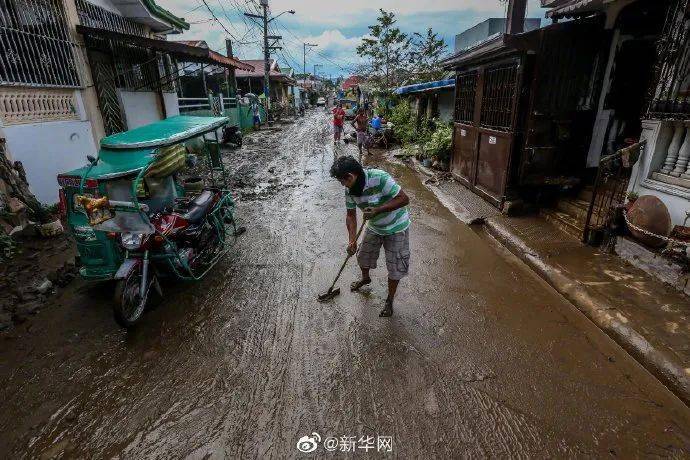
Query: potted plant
{"type": "Point", "coordinates": [632, 197]}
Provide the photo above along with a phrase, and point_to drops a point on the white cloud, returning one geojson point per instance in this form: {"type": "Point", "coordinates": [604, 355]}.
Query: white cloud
{"type": "Point", "coordinates": [335, 27]}
{"type": "Point", "coordinates": [338, 14]}
{"type": "Point", "coordinates": [333, 39]}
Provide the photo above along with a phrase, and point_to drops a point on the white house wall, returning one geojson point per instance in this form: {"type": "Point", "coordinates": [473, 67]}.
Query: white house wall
{"type": "Point", "coordinates": [47, 149]}
{"type": "Point", "coordinates": [446, 103]}
{"type": "Point", "coordinates": [676, 199]}
{"type": "Point", "coordinates": [139, 107]}
{"type": "Point", "coordinates": [172, 104]}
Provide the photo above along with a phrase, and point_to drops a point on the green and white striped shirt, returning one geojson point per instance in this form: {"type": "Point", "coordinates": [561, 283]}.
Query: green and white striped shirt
{"type": "Point", "coordinates": [380, 188]}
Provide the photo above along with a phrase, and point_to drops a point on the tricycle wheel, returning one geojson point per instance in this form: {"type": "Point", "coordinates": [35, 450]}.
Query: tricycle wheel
{"type": "Point", "coordinates": [129, 305]}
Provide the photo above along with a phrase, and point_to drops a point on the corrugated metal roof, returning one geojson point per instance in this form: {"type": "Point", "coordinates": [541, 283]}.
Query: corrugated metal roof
{"type": "Point", "coordinates": [427, 86]}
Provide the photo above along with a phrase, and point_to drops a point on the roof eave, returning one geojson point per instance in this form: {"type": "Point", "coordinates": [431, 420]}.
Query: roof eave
{"type": "Point", "coordinates": [165, 15]}
{"type": "Point", "coordinates": [486, 49]}
{"type": "Point", "coordinates": [193, 53]}
{"type": "Point", "coordinates": [576, 8]}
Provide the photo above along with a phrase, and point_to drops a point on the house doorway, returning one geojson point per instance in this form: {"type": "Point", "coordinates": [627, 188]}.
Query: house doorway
{"type": "Point", "coordinates": [105, 80]}
{"type": "Point", "coordinates": [485, 127]}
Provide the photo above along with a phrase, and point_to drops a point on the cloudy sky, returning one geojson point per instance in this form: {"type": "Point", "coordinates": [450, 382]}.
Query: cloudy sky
{"type": "Point", "coordinates": [337, 27]}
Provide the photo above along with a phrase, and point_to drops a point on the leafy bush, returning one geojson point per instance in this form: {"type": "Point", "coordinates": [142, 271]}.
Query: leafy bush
{"type": "Point", "coordinates": [426, 129]}
{"type": "Point", "coordinates": [403, 123]}
{"type": "Point", "coordinates": [384, 112]}
{"type": "Point", "coordinates": [431, 138]}
{"type": "Point", "coordinates": [440, 142]}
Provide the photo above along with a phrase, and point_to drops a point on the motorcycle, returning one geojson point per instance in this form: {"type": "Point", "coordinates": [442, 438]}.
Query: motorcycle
{"type": "Point", "coordinates": [143, 223]}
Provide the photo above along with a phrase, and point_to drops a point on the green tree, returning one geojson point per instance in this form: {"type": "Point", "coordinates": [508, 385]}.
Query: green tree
{"type": "Point", "coordinates": [387, 50]}
{"type": "Point", "coordinates": [427, 51]}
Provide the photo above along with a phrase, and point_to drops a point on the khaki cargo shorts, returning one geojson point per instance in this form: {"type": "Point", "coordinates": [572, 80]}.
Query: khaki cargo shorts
{"type": "Point", "coordinates": [396, 247]}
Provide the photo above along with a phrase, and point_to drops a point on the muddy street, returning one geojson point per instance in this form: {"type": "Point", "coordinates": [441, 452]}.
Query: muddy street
{"type": "Point", "coordinates": [482, 358]}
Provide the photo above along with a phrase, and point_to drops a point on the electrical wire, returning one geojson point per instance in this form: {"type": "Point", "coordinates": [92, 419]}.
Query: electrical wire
{"type": "Point", "coordinates": [321, 54]}
{"type": "Point", "coordinates": [227, 31]}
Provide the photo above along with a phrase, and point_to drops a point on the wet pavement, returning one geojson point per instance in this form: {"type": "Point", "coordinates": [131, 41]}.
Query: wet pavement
{"type": "Point", "coordinates": [482, 357]}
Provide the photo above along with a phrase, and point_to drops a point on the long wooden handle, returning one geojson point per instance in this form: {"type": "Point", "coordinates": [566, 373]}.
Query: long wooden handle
{"type": "Point", "coordinates": [342, 267]}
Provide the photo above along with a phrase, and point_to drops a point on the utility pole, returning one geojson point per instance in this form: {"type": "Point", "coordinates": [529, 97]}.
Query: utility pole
{"type": "Point", "coordinates": [315, 77]}
{"type": "Point", "coordinates": [267, 56]}
{"type": "Point", "coordinates": [304, 59]}
{"type": "Point", "coordinates": [267, 48]}
{"type": "Point", "coordinates": [231, 79]}
{"type": "Point", "coordinates": [516, 16]}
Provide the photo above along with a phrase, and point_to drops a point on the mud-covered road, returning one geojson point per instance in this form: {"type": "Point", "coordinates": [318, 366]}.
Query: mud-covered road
{"type": "Point", "coordinates": [482, 358]}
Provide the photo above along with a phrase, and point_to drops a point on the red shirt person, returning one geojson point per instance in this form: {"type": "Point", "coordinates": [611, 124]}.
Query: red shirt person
{"type": "Point", "coordinates": [338, 121]}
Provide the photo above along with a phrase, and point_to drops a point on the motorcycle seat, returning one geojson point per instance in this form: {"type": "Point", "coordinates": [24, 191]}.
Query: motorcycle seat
{"type": "Point", "coordinates": [198, 207]}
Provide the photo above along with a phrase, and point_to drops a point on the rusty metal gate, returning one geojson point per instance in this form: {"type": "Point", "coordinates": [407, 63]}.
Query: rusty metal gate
{"type": "Point", "coordinates": [485, 106]}
{"type": "Point", "coordinates": [609, 190]}
{"type": "Point", "coordinates": [104, 77]}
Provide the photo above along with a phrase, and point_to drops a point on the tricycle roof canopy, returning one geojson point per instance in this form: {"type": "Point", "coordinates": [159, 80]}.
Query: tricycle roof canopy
{"type": "Point", "coordinates": [165, 132]}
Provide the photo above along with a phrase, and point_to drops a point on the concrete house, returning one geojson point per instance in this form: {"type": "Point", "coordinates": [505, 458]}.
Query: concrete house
{"type": "Point", "coordinates": [252, 81]}
{"type": "Point", "coordinates": [294, 89]}
{"type": "Point", "coordinates": [486, 29]}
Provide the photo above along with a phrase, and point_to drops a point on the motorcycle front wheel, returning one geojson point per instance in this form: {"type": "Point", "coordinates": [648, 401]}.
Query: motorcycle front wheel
{"type": "Point", "coordinates": [129, 306]}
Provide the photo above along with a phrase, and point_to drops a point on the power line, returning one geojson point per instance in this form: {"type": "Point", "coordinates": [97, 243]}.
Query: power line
{"type": "Point", "coordinates": [220, 23]}
{"type": "Point", "coordinates": [322, 55]}
{"type": "Point", "coordinates": [248, 29]}
{"type": "Point", "coordinates": [225, 13]}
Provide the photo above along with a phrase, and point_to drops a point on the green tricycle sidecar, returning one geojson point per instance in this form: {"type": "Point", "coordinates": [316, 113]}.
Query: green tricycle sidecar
{"type": "Point", "coordinates": [161, 149]}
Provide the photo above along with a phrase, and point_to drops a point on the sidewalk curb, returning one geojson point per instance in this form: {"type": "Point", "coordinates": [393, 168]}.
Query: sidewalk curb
{"type": "Point", "coordinates": [664, 367]}
{"type": "Point", "coordinates": [459, 211]}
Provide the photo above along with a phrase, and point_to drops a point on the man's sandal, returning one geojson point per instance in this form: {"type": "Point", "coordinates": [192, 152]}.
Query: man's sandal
{"type": "Point", "coordinates": [356, 285]}
{"type": "Point", "coordinates": [387, 310]}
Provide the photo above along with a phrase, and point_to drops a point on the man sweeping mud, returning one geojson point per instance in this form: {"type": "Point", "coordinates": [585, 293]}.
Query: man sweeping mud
{"type": "Point", "coordinates": [384, 205]}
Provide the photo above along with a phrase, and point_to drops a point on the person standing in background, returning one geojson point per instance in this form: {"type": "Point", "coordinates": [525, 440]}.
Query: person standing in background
{"type": "Point", "coordinates": [338, 122]}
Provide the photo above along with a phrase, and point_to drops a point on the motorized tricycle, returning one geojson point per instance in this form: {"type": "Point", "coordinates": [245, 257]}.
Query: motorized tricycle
{"type": "Point", "coordinates": [139, 214]}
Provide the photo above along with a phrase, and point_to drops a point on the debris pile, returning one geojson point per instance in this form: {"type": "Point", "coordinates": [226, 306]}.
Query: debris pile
{"type": "Point", "coordinates": [36, 257]}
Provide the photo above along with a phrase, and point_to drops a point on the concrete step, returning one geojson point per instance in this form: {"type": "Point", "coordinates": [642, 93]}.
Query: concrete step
{"type": "Point", "coordinates": [576, 208]}
{"type": "Point", "coordinates": [586, 194]}
{"type": "Point", "coordinates": [564, 222]}
{"type": "Point", "coordinates": [572, 207]}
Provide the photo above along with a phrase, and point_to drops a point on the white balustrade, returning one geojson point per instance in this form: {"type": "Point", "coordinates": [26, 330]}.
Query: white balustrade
{"type": "Point", "coordinates": [674, 148]}
{"type": "Point", "coordinates": [683, 155]}
{"type": "Point", "coordinates": [31, 105]}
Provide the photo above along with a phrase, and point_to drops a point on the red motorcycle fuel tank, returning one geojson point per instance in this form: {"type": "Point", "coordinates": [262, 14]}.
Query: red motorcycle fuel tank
{"type": "Point", "coordinates": [169, 223]}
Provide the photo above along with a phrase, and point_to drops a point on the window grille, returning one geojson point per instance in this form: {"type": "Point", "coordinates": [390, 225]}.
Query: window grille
{"type": "Point", "coordinates": [36, 48]}
{"type": "Point", "coordinates": [500, 85]}
{"type": "Point", "coordinates": [669, 94]}
{"type": "Point", "coordinates": [466, 85]}
{"type": "Point", "coordinates": [91, 15]}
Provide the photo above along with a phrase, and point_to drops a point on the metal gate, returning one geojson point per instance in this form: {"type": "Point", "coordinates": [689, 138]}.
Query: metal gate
{"type": "Point", "coordinates": [464, 143]}
{"type": "Point", "coordinates": [104, 77]}
{"type": "Point", "coordinates": [609, 190]}
{"type": "Point", "coordinates": [485, 107]}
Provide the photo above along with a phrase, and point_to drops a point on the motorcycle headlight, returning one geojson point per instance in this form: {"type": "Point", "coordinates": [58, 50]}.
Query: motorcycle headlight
{"type": "Point", "coordinates": [131, 241]}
